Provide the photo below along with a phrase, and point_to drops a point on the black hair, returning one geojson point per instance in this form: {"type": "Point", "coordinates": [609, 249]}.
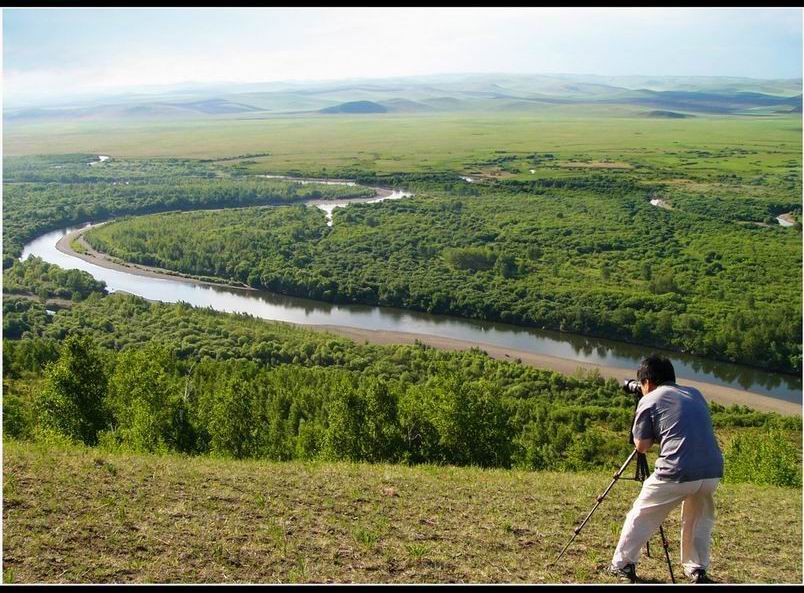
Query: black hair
{"type": "Point", "coordinates": [656, 369]}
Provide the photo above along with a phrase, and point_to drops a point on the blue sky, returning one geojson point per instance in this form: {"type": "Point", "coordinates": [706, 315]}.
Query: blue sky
{"type": "Point", "coordinates": [49, 52]}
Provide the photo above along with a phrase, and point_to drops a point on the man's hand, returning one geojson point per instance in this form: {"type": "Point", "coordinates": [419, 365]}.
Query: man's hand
{"type": "Point", "coordinates": [642, 445]}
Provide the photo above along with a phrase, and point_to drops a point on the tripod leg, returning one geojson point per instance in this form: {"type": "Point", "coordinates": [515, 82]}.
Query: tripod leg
{"type": "Point", "coordinates": [643, 471]}
{"type": "Point", "coordinates": [666, 545]}
{"type": "Point", "coordinates": [599, 500]}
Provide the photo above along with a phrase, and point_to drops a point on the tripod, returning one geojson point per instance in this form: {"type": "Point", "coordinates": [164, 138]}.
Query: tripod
{"type": "Point", "coordinates": [640, 475]}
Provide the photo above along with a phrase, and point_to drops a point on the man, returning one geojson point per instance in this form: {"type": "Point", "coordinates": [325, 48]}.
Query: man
{"type": "Point", "coordinates": [687, 471]}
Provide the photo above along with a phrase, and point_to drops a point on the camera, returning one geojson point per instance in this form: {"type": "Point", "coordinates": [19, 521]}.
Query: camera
{"type": "Point", "coordinates": [632, 386]}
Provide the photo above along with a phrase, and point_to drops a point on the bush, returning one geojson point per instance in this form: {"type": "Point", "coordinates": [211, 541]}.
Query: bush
{"type": "Point", "coordinates": [16, 417]}
{"type": "Point", "coordinates": [766, 457]}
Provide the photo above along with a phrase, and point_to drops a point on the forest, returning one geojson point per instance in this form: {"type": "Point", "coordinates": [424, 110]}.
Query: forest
{"type": "Point", "coordinates": [588, 256]}
{"type": "Point", "coordinates": [121, 373]}
{"type": "Point", "coordinates": [41, 194]}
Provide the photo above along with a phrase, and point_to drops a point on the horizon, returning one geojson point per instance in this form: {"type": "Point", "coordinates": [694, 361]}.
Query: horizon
{"type": "Point", "coordinates": [63, 54]}
{"type": "Point", "coordinates": [155, 91]}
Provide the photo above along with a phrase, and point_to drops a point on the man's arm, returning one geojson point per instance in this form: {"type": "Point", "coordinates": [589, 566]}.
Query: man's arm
{"type": "Point", "coordinates": [643, 433]}
{"type": "Point", "coordinates": [642, 445]}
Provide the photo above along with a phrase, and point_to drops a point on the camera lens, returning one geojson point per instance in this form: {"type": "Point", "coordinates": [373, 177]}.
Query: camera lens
{"type": "Point", "coordinates": [632, 386]}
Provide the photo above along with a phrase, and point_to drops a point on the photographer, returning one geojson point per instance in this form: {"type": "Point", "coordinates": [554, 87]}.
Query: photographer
{"type": "Point", "coordinates": [687, 471]}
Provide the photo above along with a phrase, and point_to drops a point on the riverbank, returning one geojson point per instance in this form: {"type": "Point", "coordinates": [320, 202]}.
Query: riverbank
{"type": "Point", "coordinates": [103, 260]}
{"type": "Point", "coordinates": [717, 393]}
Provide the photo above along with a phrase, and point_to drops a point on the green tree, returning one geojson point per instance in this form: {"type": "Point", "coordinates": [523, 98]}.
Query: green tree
{"type": "Point", "coordinates": [72, 401]}
{"type": "Point", "coordinates": [144, 397]}
{"type": "Point", "coordinates": [232, 425]}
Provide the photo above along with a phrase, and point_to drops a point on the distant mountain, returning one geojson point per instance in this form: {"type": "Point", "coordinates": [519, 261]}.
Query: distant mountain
{"type": "Point", "coordinates": [356, 107]}
{"type": "Point", "coordinates": [156, 109]}
{"type": "Point", "coordinates": [703, 102]}
{"type": "Point", "coordinates": [667, 114]}
{"type": "Point", "coordinates": [217, 106]}
{"type": "Point", "coordinates": [459, 93]}
{"type": "Point", "coordinates": [405, 106]}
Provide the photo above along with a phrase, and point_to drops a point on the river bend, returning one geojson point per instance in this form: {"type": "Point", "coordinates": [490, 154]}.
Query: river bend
{"type": "Point", "coordinates": [301, 311]}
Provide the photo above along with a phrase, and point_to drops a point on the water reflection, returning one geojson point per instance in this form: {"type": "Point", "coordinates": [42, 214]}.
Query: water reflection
{"type": "Point", "coordinates": [272, 306]}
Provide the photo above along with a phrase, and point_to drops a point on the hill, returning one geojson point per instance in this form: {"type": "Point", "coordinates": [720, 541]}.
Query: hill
{"type": "Point", "coordinates": [356, 107]}
{"type": "Point", "coordinates": [155, 109]}
{"type": "Point", "coordinates": [667, 114]}
{"type": "Point", "coordinates": [79, 516]}
{"type": "Point", "coordinates": [448, 93]}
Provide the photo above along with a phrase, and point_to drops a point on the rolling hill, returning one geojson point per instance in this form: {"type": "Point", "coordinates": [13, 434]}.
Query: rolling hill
{"type": "Point", "coordinates": [447, 93]}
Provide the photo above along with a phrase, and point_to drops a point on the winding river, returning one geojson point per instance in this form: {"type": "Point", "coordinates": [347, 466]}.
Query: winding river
{"type": "Point", "coordinates": [266, 305]}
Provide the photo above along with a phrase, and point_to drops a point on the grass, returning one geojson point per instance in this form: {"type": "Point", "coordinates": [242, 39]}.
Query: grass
{"type": "Point", "coordinates": [77, 246]}
{"type": "Point", "coordinates": [459, 142]}
{"type": "Point", "coordinates": [82, 515]}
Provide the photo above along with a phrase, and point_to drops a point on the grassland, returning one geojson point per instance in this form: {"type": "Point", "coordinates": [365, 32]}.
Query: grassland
{"type": "Point", "coordinates": [80, 516]}
{"type": "Point", "coordinates": [394, 142]}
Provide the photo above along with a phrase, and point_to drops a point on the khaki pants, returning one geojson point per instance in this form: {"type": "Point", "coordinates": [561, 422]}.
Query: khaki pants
{"type": "Point", "coordinates": [653, 504]}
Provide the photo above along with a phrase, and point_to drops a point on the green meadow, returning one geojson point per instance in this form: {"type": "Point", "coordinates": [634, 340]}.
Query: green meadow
{"type": "Point", "coordinates": [386, 143]}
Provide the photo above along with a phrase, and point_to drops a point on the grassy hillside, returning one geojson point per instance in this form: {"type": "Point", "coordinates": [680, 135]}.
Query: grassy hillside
{"type": "Point", "coordinates": [78, 515]}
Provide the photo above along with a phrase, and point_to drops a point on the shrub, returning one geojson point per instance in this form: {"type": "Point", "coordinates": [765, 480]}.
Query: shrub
{"type": "Point", "coordinates": [766, 457]}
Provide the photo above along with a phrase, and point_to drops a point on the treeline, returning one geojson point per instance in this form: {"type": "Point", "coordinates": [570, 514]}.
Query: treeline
{"type": "Point", "coordinates": [34, 276]}
{"type": "Point", "coordinates": [120, 321]}
{"type": "Point", "coordinates": [31, 208]}
{"type": "Point", "coordinates": [148, 399]}
{"type": "Point", "coordinates": [173, 377]}
{"type": "Point", "coordinates": [587, 262]}
{"type": "Point", "coordinates": [87, 168]}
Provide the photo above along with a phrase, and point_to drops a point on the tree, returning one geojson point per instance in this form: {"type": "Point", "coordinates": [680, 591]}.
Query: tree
{"type": "Point", "coordinates": [73, 399]}
{"type": "Point", "coordinates": [231, 426]}
{"type": "Point", "coordinates": [144, 396]}
{"type": "Point", "coordinates": [505, 265]}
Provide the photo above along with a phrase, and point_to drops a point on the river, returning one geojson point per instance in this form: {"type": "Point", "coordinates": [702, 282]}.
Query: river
{"type": "Point", "coordinates": [272, 306]}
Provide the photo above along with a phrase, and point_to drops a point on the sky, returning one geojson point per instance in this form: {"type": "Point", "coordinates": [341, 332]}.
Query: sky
{"type": "Point", "coordinates": [55, 53]}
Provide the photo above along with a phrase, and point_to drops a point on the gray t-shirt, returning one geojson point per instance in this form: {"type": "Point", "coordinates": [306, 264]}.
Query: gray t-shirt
{"type": "Point", "coordinates": [678, 419]}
